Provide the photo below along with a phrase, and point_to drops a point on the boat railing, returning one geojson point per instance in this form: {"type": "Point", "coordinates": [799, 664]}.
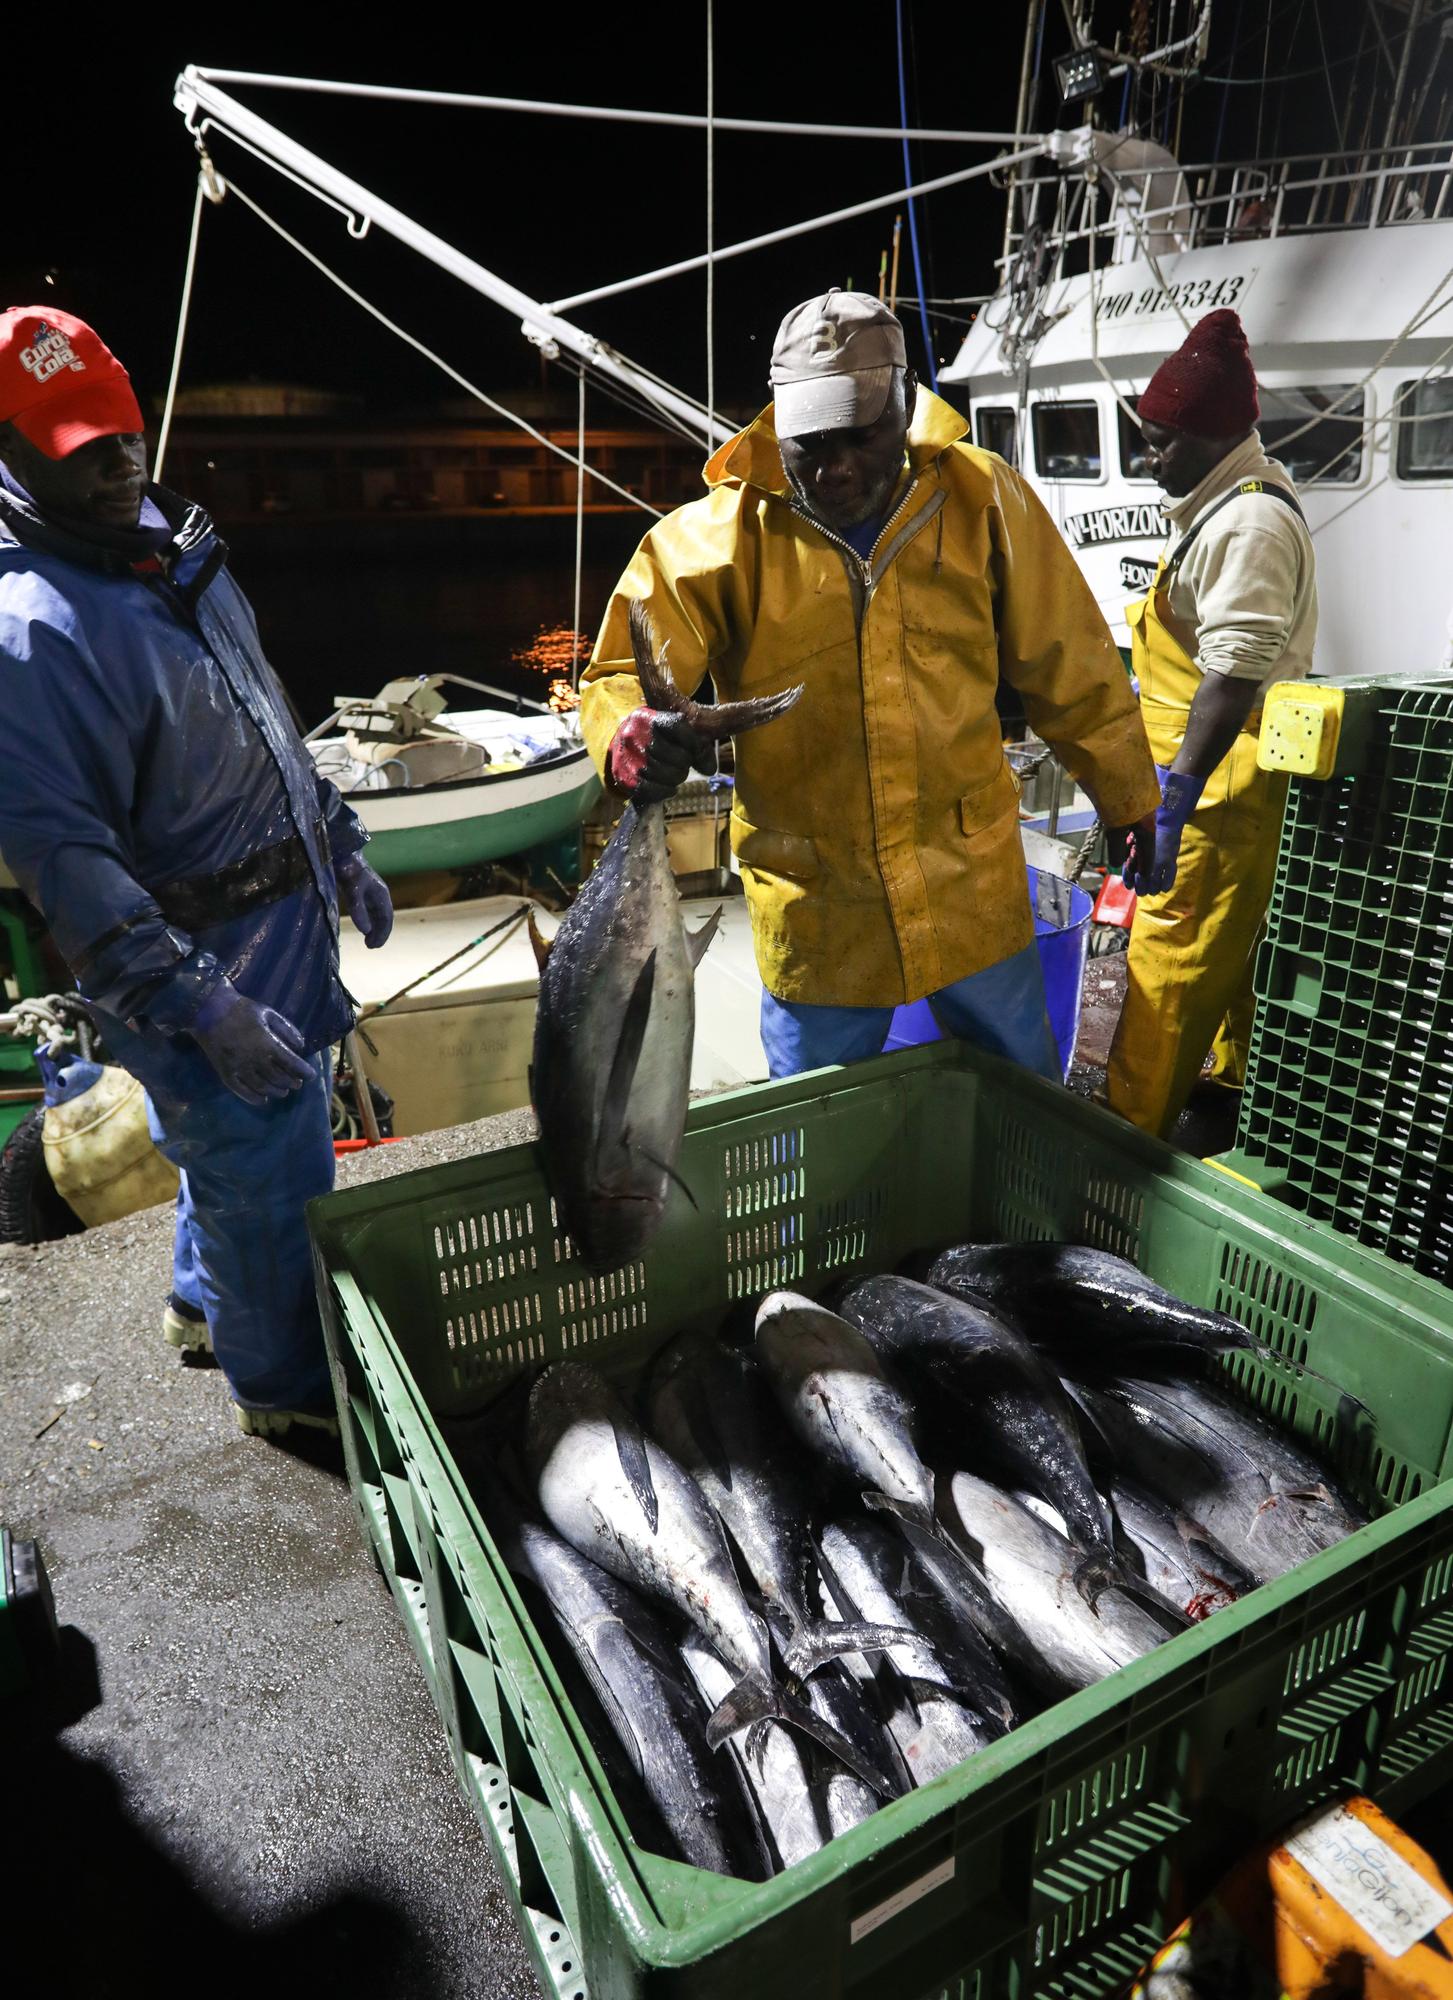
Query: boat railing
{"type": "Point", "coordinates": [1164, 207]}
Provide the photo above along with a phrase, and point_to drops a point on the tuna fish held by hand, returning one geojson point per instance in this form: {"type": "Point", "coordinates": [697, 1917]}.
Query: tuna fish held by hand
{"type": "Point", "coordinates": [617, 1011]}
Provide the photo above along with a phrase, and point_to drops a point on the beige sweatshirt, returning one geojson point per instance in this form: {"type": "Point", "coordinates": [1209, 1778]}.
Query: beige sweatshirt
{"type": "Point", "coordinates": [1245, 597]}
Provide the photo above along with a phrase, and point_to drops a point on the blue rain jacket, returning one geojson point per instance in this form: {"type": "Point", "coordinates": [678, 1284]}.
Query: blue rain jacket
{"type": "Point", "coordinates": [152, 782]}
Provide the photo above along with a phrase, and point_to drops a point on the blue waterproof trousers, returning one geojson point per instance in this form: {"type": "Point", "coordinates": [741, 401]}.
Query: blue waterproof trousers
{"type": "Point", "coordinates": [1000, 1009]}
{"type": "Point", "coordinates": [242, 1255]}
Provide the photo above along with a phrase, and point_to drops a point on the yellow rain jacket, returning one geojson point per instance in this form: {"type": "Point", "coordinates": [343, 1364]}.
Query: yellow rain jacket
{"type": "Point", "coordinates": [876, 824]}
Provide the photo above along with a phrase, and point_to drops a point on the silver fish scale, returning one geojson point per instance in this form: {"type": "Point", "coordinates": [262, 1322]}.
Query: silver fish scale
{"type": "Point", "coordinates": [1030, 1571]}
{"type": "Point", "coordinates": [838, 1400]}
{"type": "Point", "coordinates": [1264, 1500]}
{"type": "Point", "coordinates": [738, 1465]}
{"type": "Point", "coordinates": [588, 1498]}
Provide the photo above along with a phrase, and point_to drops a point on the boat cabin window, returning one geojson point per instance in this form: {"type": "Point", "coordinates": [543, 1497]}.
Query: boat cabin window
{"type": "Point", "coordinates": [1425, 430]}
{"type": "Point", "coordinates": [996, 429]}
{"type": "Point", "coordinates": [1328, 450]}
{"type": "Point", "coordinates": [1067, 440]}
{"type": "Point", "coordinates": [1132, 443]}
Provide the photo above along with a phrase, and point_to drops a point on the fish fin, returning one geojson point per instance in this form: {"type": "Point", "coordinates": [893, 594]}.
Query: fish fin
{"type": "Point", "coordinates": [812, 1646]}
{"type": "Point", "coordinates": [875, 1773]}
{"type": "Point", "coordinates": [631, 1451]}
{"type": "Point", "coordinates": [662, 1167]}
{"type": "Point", "coordinates": [539, 943]}
{"type": "Point", "coordinates": [749, 1702]}
{"type": "Point", "coordinates": [697, 941]}
{"type": "Point", "coordinates": [1211, 1560]}
{"type": "Point", "coordinates": [756, 1743]}
{"type": "Point", "coordinates": [902, 1510]}
{"type": "Point", "coordinates": [612, 1134]}
{"type": "Point", "coordinates": [922, 1694]}
{"type": "Point", "coordinates": [1350, 1409]}
{"type": "Point", "coordinates": [702, 1418]}
{"type": "Point", "coordinates": [754, 1700]}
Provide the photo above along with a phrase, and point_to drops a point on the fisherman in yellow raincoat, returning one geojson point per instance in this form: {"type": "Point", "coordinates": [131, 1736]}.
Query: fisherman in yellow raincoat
{"type": "Point", "coordinates": [852, 541]}
{"type": "Point", "coordinates": [1233, 608]}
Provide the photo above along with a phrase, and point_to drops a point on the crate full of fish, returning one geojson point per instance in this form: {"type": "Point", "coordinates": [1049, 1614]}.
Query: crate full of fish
{"type": "Point", "coordinates": [961, 1531]}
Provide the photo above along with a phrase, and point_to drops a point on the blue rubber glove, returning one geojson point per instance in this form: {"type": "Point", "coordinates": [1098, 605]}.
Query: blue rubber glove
{"type": "Point", "coordinates": [1179, 793]}
{"type": "Point", "coordinates": [257, 1052]}
{"type": "Point", "coordinates": [367, 899]}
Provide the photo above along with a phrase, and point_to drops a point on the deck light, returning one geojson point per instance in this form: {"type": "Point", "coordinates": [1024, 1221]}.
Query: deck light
{"type": "Point", "coordinates": [1080, 74]}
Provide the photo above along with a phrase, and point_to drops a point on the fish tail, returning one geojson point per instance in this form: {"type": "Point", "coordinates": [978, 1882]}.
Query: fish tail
{"type": "Point", "coordinates": [755, 1700]}
{"type": "Point", "coordinates": [712, 720]}
{"type": "Point", "coordinates": [1095, 1574]}
{"type": "Point", "coordinates": [734, 718]}
{"type": "Point", "coordinates": [812, 1646]}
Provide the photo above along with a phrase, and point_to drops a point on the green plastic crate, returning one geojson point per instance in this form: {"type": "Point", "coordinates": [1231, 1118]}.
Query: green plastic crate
{"type": "Point", "coordinates": [1349, 1085]}
{"type": "Point", "coordinates": [1050, 1865]}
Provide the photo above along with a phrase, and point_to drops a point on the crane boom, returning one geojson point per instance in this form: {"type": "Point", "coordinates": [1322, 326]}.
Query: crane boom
{"type": "Point", "coordinates": [205, 107]}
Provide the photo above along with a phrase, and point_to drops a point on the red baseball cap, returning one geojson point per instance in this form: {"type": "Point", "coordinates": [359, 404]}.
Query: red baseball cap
{"type": "Point", "coordinates": [60, 384]}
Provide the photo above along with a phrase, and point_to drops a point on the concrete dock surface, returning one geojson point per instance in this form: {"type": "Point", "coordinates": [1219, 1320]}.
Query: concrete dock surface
{"type": "Point", "coordinates": [258, 1795]}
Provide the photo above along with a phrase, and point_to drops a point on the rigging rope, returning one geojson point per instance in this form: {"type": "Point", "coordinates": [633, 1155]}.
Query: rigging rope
{"type": "Point", "coordinates": [412, 340]}
{"type": "Point", "coordinates": [1425, 312]}
{"type": "Point", "coordinates": [209, 188]}
{"type": "Point", "coordinates": [579, 530]}
{"type": "Point", "coordinates": [929, 361]}
{"type": "Point", "coordinates": [710, 214]}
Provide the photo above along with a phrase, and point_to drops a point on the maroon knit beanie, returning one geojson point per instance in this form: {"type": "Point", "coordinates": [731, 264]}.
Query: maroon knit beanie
{"type": "Point", "coordinates": [1208, 386]}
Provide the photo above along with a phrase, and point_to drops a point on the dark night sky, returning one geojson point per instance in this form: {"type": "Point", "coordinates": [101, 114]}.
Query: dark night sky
{"type": "Point", "coordinates": [550, 204]}
{"type": "Point", "coordinates": [104, 195]}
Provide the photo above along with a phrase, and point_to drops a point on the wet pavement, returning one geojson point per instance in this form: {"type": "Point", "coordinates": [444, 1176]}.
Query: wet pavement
{"type": "Point", "coordinates": [258, 1793]}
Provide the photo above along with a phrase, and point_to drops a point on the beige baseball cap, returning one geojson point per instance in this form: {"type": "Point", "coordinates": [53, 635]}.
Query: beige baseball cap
{"type": "Point", "coordinates": [833, 362]}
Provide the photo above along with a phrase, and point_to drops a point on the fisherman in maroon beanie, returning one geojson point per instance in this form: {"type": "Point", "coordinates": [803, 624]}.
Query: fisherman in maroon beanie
{"type": "Point", "coordinates": [1232, 609]}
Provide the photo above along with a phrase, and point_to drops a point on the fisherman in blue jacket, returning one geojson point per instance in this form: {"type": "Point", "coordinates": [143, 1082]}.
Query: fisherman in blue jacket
{"type": "Point", "coordinates": [159, 809]}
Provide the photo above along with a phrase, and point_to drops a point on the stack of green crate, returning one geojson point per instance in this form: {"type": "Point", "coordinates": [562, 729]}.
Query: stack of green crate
{"type": "Point", "coordinates": [1345, 1113]}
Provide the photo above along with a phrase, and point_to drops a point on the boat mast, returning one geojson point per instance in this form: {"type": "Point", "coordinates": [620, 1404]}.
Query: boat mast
{"type": "Point", "coordinates": [1415, 21]}
{"type": "Point", "coordinates": [1021, 117]}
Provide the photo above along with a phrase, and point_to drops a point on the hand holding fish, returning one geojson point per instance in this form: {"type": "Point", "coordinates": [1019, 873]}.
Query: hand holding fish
{"type": "Point", "coordinates": [653, 753]}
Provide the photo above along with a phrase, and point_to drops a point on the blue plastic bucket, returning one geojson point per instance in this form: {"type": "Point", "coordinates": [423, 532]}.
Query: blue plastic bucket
{"type": "Point", "coordinates": [1062, 953]}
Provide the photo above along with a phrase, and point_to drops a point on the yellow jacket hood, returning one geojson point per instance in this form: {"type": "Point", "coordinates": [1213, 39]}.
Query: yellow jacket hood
{"type": "Point", "coordinates": [752, 457]}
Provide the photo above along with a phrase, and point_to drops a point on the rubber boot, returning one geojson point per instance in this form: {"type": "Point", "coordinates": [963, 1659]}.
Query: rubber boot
{"type": "Point", "coordinates": [277, 1423]}
{"type": "Point", "coordinates": [185, 1326]}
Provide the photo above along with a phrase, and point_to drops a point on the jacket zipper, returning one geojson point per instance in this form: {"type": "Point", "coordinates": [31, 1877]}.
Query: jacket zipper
{"type": "Point", "coordinates": [863, 564]}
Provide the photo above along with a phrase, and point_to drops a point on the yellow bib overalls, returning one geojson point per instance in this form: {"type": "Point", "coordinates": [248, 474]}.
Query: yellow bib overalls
{"type": "Point", "coordinates": [1192, 948]}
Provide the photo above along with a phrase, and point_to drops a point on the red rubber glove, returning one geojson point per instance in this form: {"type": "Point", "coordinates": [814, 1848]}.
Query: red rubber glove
{"type": "Point", "coordinates": [654, 752]}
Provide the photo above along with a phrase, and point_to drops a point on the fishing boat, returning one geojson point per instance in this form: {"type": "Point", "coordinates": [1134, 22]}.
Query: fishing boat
{"type": "Point", "coordinates": [1339, 263]}
{"type": "Point", "coordinates": [451, 795]}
